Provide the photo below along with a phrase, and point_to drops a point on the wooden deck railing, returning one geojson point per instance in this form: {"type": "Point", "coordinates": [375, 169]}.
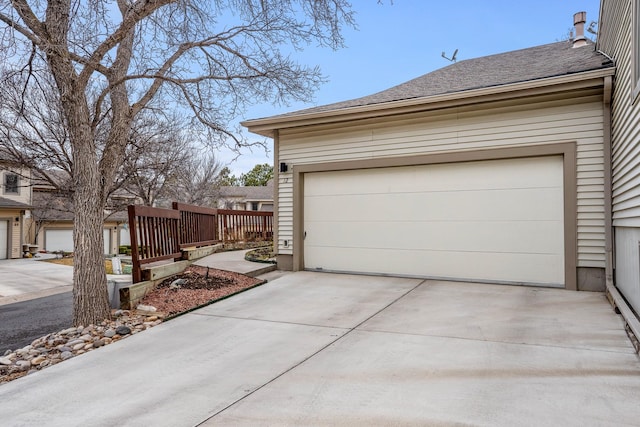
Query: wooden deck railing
{"type": "Point", "coordinates": [198, 225]}
{"type": "Point", "coordinates": [159, 234]}
{"type": "Point", "coordinates": [154, 236]}
{"type": "Point", "coordinates": [244, 225]}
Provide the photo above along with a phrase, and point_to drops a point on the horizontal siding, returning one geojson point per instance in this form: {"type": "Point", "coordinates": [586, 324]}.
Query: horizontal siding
{"type": "Point", "coordinates": [455, 130]}
{"type": "Point", "coordinates": [14, 230]}
{"type": "Point", "coordinates": [24, 190]}
{"type": "Point", "coordinates": [616, 41]}
{"type": "Point", "coordinates": [285, 212]}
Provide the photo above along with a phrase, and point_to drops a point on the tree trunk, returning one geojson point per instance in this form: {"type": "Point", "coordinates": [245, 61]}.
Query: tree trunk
{"type": "Point", "coordinates": [90, 296]}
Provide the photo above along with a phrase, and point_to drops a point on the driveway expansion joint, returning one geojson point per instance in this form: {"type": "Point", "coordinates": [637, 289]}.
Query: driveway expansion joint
{"type": "Point", "coordinates": [549, 345]}
{"type": "Point", "coordinates": [219, 316]}
{"type": "Point", "coordinates": [312, 355]}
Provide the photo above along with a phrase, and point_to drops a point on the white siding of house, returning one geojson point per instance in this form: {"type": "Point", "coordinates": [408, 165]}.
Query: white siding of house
{"type": "Point", "coordinates": [627, 271]}
{"type": "Point", "coordinates": [464, 129]}
{"type": "Point", "coordinates": [616, 40]}
{"type": "Point", "coordinates": [625, 132]}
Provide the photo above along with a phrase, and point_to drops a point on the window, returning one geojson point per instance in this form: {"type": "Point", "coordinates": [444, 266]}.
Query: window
{"type": "Point", "coordinates": [11, 182]}
{"type": "Point", "coordinates": [635, 49]}
{"type": "Point", "coordinates": [254, 206]}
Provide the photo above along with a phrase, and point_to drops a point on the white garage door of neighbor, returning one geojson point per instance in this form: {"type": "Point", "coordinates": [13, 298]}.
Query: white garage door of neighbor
{"type": "Point", "coordinates": [4, 239]}
{"type": "Point", "coordinates": [497, 221]}
{"type": "Point", "coordinates": [62, 240]}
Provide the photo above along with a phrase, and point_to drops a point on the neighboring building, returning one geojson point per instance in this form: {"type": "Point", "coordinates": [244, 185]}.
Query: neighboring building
{"type": "Point", "coordinates": [619, 38]}
{"type": "Point", "coordinates": [491, 170]}
{"type": "Point", "coordinates": [51, 224]}
{"type": "Point", "coordinates": [52, 228]}
{"type": "Point", "coordinates": [15, 205]}
{"type": "Point", "coordinates": [251, 198]}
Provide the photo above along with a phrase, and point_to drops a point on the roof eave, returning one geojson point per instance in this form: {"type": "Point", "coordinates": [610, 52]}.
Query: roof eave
{"type": "Point", "coordinates": [593, 78]}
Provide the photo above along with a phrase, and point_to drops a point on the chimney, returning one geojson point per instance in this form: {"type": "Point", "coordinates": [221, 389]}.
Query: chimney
{"type": "Point", "coordinates": [579, 19]}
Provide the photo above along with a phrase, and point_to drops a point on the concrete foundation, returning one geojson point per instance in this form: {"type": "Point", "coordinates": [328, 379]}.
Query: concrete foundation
{"type": "Point", "coordinates": [284, 262]}
{"type": "Point", "coordinates": [591, 279]}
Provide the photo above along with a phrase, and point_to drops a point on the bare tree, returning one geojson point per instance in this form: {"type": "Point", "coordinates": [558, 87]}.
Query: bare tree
{"type": "Point", "coordinates": [197, 182]}
{"type": "Point", "coordinates": [157, 153]}
{"type": "Point", "coordinates": [111, 60]}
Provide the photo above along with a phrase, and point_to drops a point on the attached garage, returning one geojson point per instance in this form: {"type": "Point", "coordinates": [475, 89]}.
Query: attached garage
{"type": "Point", "coordinates": [4, 239]}
{"type": "Point", "coordinates": [493, 221]}
{"type": "Point", "coordinates": [459, 174]}
{"type": "Point", "coordinates": [62, 240]}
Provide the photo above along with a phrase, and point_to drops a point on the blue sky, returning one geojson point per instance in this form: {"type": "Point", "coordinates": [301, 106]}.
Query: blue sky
{"type": "Point", "coordinates": [398, 41]}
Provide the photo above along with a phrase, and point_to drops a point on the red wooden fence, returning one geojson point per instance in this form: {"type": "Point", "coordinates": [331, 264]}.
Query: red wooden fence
{"type": "Point", "coordinates": [198, 225]}
{"type": "Point", "coordinates": [237, 226]}
{"type": "Point", "coordinates": [159, 234]}
{"type": "Point", "coordinates": [154, 236]}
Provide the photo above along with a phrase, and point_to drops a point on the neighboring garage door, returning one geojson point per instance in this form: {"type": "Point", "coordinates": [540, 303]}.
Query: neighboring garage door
{"type": "Point", "coordinates": [62, 240]}
{"type": "Point", "coordinates": [497, 221]}
{"type": "Point", "coordinates": [59, 240]}
{"type": "Point", "coordinates": [4, 239]}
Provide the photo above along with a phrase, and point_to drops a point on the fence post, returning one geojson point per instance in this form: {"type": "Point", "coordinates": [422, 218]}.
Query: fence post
{"type": "Point", "coordinates": [264, 228]}
{"type": "Point", "coordinates": [136, 271]}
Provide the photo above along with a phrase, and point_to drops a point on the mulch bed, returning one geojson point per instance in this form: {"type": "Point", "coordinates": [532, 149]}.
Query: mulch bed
{"type": "Point", "coordinates": [194, 287]}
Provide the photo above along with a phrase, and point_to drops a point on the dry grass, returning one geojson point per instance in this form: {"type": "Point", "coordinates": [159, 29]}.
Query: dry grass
{"type": "Point", "coordinates": [69, 262]}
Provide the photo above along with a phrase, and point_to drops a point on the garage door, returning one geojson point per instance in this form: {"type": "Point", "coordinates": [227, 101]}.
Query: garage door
{"type": "Point", "coordinates": [62, 240]}
{"type": "Point", "coordinates": [4, 239]}
{"type": "Point", "coordinates": [497, 221]}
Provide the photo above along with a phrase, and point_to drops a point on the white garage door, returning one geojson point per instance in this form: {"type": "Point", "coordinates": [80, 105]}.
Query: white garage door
{"type": "Point", "coordinates": [125, 236]}
{"type": "Point", "coordinates": [4, 239]}
{"type": "Point", "coordinates": [59, 240]}
{"type": "Point", "coordinates": [498, 221]}
{"type": "Point", "coordinates": [62, 240]}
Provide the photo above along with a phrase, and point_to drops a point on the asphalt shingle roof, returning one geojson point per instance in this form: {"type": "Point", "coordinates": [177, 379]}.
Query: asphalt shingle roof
{"type": "Point", "coordinates": [8, 203]}
{"type": "Point", "coordinates": [249, 192]}
{"type": "Point", "coordinates": [550, 60]}
{"type": "Point", "coordinates": [51, 206]}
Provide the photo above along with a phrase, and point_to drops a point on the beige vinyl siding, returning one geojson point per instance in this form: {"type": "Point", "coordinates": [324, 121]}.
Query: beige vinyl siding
{"type": "Point", "coordinates": [24, 189]}
{"type": "Point", "coordinates": [16, 238]}
{"type": "Point", "coordinates": [14, 231]}
{"type": "Point", "coordinates": [464, 129]}
{"type": "Point", "coordinates": [616, 41]}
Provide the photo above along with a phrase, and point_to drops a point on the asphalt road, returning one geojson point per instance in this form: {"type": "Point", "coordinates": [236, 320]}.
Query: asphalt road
{"type": "Point", "coordinates": [23, 322]}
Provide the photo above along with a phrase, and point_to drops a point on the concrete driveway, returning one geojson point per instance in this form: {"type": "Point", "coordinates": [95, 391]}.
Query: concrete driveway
{"type": "Point", "coordinates": [318, 349]}
{"type": "Point", "coordinates": [29, 278]}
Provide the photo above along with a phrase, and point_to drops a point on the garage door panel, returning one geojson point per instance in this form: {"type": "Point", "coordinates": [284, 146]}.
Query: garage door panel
{"type": "Point", "coordinates": [62, 240]}
{"type": "Point", "coordinates": [536, 269]}
{"type": "Point", "coordinates": [497, 220]}
{"type": "Point", "coordinates": [446, 236]}
{"type": "Point", "coordinates": [455, 177]}
{"type": "Point", "coordinates": [534, 203]}
{"type": "Point", "coordinates": [4, 239]}
{"type": "Point", "coordinates": [59, 240]}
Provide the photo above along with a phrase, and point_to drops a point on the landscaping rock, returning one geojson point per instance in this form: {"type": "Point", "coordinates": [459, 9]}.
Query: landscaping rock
{"type": "Point", "coordinates": [38, 360]}
{"type": "Point", "coordinates": [147, 308]}
{"type": "Point", "coordinates": [109, 333]}
{"type": "Point", "coordinates": [123, 330]}
{"type": "Point", "coordinates": [23, 365]}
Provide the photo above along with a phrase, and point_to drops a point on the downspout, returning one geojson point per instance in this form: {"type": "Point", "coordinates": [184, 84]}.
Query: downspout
{"type": "Point", "coordinates": [608, 184]}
